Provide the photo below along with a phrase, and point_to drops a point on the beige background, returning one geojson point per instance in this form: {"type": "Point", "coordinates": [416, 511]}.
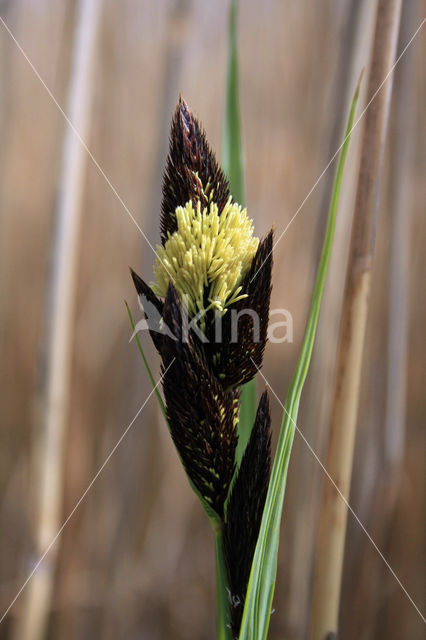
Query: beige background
{"type": "Point", "coordinates": [136, 560]}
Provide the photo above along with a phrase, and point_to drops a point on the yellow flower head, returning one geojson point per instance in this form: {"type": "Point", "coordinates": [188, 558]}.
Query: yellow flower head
{"type": "Point", "coordinates": [208, 252]}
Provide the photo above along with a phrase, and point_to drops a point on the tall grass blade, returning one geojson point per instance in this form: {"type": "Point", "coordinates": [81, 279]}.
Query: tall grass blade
{"type": "Point", "coordinates": [233, 166]}
{"type": "Point", "coordinates": [232, 148]}
{"type": "Point", "coordinates": [353, 325]}
{"type": "Point", "coordinates": [258, 603]}
{"type": "Point", "coordinates": [222, 601]}
{"type": "Point", "coordinates": [247, 415]}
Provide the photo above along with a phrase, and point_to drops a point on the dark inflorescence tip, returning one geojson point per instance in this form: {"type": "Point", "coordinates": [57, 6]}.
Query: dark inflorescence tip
{"type": "Point", "coordinates": [192, 172]}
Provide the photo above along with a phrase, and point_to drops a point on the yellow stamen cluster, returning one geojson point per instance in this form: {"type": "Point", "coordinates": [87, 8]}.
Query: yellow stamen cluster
{"type": "Point", "coordinates": [208, 251]}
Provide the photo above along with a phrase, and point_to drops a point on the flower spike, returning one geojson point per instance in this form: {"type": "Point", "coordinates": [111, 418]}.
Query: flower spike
{"type": "Point", "coordinates": [210, 270]}
{"type": "Point", "coordinates": [192, 173]}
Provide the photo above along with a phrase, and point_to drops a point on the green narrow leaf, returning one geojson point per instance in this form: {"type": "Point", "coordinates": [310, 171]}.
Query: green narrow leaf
{"type": "Point", "coordinates": [222, 602]}
{"type": "Point", "coordinates": [248, 408]}
{"type": "Point", "coordinates": [233, 166]}
{"type": "Point", "coordinates": [232, 151]}
{"type": "Point", "coordinates": [260, 591]}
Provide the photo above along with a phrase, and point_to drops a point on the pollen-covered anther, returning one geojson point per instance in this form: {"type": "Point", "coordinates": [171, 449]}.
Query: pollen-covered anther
{"type": "Point", "coordinates": [207, 257]}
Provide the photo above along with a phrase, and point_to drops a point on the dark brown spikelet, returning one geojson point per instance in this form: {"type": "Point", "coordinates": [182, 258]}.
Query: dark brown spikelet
{"type": "Point", "coordinates": [245, 509]}
{"type": "Point", "coordinates": [192, 172]}
{"type": "Point", "coordinates": [237, 362]}
{"type": "Point", "coordinates": [202, 416]}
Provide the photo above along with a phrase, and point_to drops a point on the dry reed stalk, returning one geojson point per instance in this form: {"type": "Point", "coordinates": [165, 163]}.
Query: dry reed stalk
{"type": "Point", "coordinates": [48, 478]}
{"type": "Point", "coordinates": [401, 140]}
{"type": "Point", "coordinates": [387, 483]}
{"type": "Point", "coordinates": [316, 412]}
{"type": "Point", "coordinates": [332, 530]}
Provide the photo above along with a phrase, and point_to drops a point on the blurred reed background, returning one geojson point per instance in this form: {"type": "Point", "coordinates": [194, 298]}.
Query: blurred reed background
{"type": "Point", "coordinates": [136, 560]}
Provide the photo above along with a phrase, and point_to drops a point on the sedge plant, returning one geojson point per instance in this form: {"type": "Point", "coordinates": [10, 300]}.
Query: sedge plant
{"type": "Point", "coordinates": [207, 312]}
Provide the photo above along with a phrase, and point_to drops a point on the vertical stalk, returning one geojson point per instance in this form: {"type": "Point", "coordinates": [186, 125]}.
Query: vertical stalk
{"type": "Point", "coordinates": [232, 152]}
{"type": "Point", "coordinates": [222, 619]}
{"type": "Point", "coordinates": [57, 350]}
{"type": "Point", "coordinates": [332, 531]}
{"type": "Point", "coordinates": [401, 139]}
{"type": "Point", "coordinates": [385, 486]}
{"type": "Point", "coordinates": [233, 166]}
{"type": "Point", "coordinates": [321, 376]}
{"type": "Point", "coordinates": [232, 162]}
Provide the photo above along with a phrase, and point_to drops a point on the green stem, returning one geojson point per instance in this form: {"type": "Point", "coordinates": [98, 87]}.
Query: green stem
{"type": "Point", "coordinates": [247, 415]}
{"type": "Point", "coordinates": [233, 166]}
{"type": "Point", "coordinates": [260, 590]}
{"type": "Point", "coordinates": [232, 151]}
{"type": "Point", "coordinates": [222, 620]}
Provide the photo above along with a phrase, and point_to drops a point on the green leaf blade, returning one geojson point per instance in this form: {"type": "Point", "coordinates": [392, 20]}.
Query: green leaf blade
{"type": "Point", "coordinates": [233, 166]}
{"type": "Point", "coordinates": [260, 591]}
{"type": "Point", "coordinates": [248, 406]}
{"type": "Point", "coordinates": [232, 148]}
